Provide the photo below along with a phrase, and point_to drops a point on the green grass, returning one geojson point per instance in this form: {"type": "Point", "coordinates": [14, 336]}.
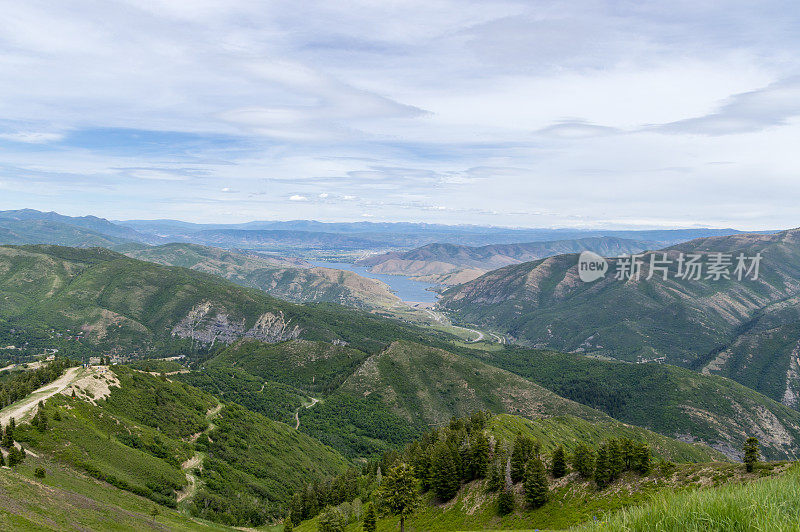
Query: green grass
{"type": "Point", "coordinates": [770, 504]}
{"type": "Point", "coordinates": [69, 500]}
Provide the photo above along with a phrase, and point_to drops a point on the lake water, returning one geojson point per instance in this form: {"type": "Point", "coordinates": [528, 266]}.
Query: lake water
{"type": "Point", "coordinates": [403, 287]}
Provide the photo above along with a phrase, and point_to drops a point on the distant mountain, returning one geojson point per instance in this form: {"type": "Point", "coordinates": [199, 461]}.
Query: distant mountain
{"type": "Point", "coordinates": [280, 277]}
{"type": "Point", "coordinates": [702, 323]}
{"type": "Point", "coordinates": [451, 264]}
{"type": "Point", "coordinates": [94, 224]}
{"type": "Point", "coordinates": [376, 236]}
{"type": "Point", "coordinates": [57, 233]}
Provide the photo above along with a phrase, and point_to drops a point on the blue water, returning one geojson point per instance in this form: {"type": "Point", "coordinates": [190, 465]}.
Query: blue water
{"type": "Point", "coordinates": [403, 287]}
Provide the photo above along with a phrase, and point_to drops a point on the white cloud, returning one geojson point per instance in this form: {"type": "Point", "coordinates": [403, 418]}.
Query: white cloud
{"type": "Point", "coordinates": [504, 112]}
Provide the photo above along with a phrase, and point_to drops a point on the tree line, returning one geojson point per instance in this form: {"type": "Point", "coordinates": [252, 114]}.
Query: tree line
{"type": "Point", "coordinates": [443, 460]}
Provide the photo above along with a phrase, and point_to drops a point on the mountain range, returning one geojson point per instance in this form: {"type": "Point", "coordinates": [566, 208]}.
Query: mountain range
{"type": "Point", "coordinates": [739, 328]}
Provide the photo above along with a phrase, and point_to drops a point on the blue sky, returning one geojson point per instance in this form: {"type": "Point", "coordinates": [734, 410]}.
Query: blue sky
{"type": "Point", "coordinates": [539, 114]}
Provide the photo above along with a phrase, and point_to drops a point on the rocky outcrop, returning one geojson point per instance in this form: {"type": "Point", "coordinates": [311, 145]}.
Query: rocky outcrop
{"type": "Point", "coordinates": [207, 325]}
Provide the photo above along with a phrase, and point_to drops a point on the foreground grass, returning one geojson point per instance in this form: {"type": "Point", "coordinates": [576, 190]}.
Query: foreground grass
{"type": "Point", "coordinates": [66, 499]}
{"type": "Point", "coordinates": [769, 504]}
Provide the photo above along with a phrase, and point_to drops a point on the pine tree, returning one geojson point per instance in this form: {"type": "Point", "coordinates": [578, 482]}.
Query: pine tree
{"type": "Point", "coordinates": [2, 461]}
{"type": "Point", "coordinates": [288, 526]}
{"type": "Point", "coordinates": [8, 437]}
{"type": "Point", "coordinates": [399, 492]}
{"type": "Point", "coordinates": [616, 463]}
{"type": "Point", "coordinates": [522, 453]}
{"type": "Point", "coordinates": [370, 519]}
{"type": "Point", "coordinates": [583, 461]}
{"type": "Point", "coordinates": [15, 456]}
{"type": "Point", "coordinates": [496, 480]}
{"type": "Point", "coordinates": [445, 477]}
{"type": "Point", "coordinates": [536, 488]}
{"type": "Point", "coordinates": [602, 468]}
{"type": "Point", "coordinates": [751, 453]}
{"type": "Point", "coordinates": [505, 502]}
{"type": "Point", "coordinates": [479, 456]}
{"type": "Point", "coordinates": [629, 453]}
{"type": "Point", "coordinates": [559, 465]}
{"type": "Point", "coordinates": [643, 460]}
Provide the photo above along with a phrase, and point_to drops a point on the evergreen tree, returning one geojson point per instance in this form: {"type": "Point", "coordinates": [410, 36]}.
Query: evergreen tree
{"type": "Point", "coordinates": [479, 456]}
{"type": "Point", "coordinates": [536, 488]}
{"type": "Point", "coordinates": [296, 509]}
{"type": "Point", "coordinates": [398, 492]}
{"type": "Point", "coordinates": [751, 453]}
{"type": "Point", "coordinates": [8, 436]}
{"type": "Point", "coordinates": [15, 456]}
{"type": "Point", "coordinates": [288, 526]}
{"type": "Point", "coordinates": [505, 502]}
{"type": "Point", "coordinates": [602, 468]}
{"type": "Point", "coordinates": [629, 453]}
{"type": "Point", "coordinates": [559, 465]}
{"type": "Point", "coordinates": [523, 451]}
{"type": "Point", "coordinates": [2, 461]}
{"type": "Point", "coordinates": [583, 461]}
{"type": "Point", "coordinates": [616, 463]}
{"type": "Point", "coordinates": [496, 480]}
{"type": "Point", "coordinates": [643, 460]}
{"type": "Point", "coordinates": [445, 477]}
{"type": "Point", "coordinates": [370, 519]}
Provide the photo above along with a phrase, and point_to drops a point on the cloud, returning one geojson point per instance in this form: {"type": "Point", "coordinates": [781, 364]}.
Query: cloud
{"type": "Point", "coordinates": [32, 137]}
{"type": "Point", "coordinates": [748, 112]}
{"type": "Point", "coordinates": [575, 129]}
{"type": "Point", "coordinates": [297, 197]}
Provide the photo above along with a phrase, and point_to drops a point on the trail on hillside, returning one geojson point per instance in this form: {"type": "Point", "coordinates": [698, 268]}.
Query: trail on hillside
{"type": "Point", "coordinates": [197, 459]}
{"type": "Point", "coordinates": [314, 401]}
{"type": "Point", "coordinates": [24, 407]}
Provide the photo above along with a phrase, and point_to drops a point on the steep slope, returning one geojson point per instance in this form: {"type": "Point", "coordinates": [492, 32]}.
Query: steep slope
{"type": "Point", "coordinates": [673, 401]}
{"type": "Point", "coordinates": [453, 264]}
{"type": "Point", "coordinates": [101, 298]}
{"type": "Point", "coordinates": [279, 277]}
{"type": "Point", "coordinates": [428, 386]}
{"type": "Point", "coordinates": [682, 321]}
{"type": "Point", "coordinates": [134, 430]}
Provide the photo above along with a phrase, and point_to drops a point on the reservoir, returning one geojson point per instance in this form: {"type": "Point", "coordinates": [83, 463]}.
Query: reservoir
{"type": "Point", "coordinates": [403, 287]}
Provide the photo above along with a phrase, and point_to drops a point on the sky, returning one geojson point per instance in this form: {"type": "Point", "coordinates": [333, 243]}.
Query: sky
{"type": "Point", "coordinates": [575, 113]}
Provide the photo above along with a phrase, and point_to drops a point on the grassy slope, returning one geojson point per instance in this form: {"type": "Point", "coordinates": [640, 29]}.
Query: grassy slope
{"type": "Point", "coordinates": [670, 400]}
{"type": "Point", "coordinates": [139, 436]}
{"type": "Point", "coordinates": [69, 500]}
{"type": "Point", "coordinates": [769, 504]}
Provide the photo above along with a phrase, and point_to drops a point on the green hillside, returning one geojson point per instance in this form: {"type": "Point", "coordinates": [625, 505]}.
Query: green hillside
{"type": "Point", "coordinates": [673, 401]}
{"type": "Point", "coordinates": [409, 387]}
{"type": "Point", "coordinates": [691, 323]}
{"type": "Point", "coordinates": [768, 504]}
{"type": "Point", "coordinates": [178, 446]}
{"type": "Point", "coordinates": [98, 297]}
